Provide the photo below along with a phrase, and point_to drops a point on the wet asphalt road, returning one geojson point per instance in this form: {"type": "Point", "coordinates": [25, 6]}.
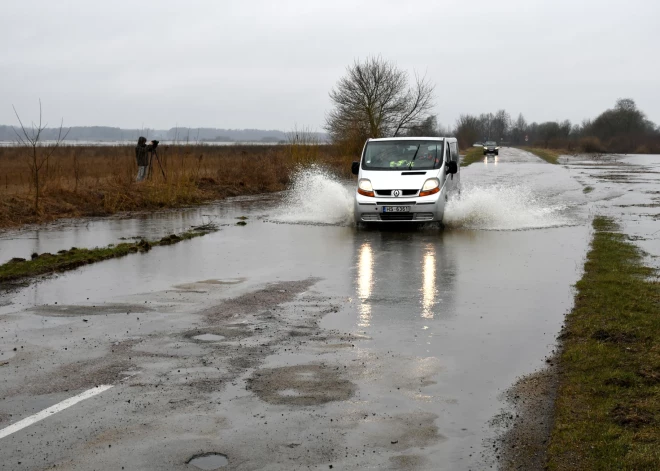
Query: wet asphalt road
{"type": "Point", "coordinates": [287, 344]}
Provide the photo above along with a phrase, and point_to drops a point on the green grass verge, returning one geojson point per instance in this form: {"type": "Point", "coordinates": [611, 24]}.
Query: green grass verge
{"type": "Point", "coordinates": [472, 155]}
{"type": "Point", "coordinates": [548, 155]}
{"type": "Point", "coordinates": [607, 412]}
{"type": "Point", "coordinates": [46, 263]}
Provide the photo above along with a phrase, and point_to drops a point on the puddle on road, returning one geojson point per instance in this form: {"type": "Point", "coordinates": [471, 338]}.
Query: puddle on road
{"type": "Point", "coordinates": [209, 337]}
{"type": "Point", "coordinates": [64, 310]}
{"type": "Point", "coordinates": [209, 461]}
{"type": "Point", "coordinates": [204, 285]}
{"type": "Point", "coordinates": [301, 385]}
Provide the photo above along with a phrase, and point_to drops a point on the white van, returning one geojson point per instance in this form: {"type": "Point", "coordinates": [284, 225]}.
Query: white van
{"type": "Point", "coordinates": [406, 179]}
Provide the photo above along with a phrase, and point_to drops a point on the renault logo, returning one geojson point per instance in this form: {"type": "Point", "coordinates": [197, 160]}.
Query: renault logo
{"type": "Point", "coordinates": [396, 193]}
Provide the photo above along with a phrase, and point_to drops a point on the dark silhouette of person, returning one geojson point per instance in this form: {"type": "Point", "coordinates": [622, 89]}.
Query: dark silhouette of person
{"type": "Point", "coordinates": [142, 156]}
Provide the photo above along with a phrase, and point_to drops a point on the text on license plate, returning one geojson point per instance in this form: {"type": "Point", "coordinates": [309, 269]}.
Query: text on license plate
{"type": "Point", "coordinates": [396, 209]}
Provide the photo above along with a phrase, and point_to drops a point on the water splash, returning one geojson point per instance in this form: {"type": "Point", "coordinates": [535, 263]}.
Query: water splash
{"type": "Point", "coordinates": [316, 196]}
{"type": "Point", "coordinates": [502, 207]}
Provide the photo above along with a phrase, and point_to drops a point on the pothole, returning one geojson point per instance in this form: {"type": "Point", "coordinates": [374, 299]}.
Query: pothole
{"type": "Point", "coordinates": [218, 333]}
{"type": "Point", "coordinates": [209, 461]}
{"type": "Point", "coordinates": [209, 337]}
{"type": "Point", "coordinates": [302, 385]}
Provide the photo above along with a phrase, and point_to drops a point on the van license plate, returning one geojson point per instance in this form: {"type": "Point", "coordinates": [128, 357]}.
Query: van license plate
{"type": "Point", "coordinates": [396, 209]}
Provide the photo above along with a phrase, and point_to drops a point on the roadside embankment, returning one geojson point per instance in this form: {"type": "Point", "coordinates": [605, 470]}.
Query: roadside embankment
{"type": "Point", "coordinates": [85, 181]}
{"type": "Point", "coordinates": [607, 411]}
{"type": "Point", "coordinates": [549, 155]}
{"type": "Point", "coordinates": [472, 155]}
{"type": "Point", "coordinates": [46, 263]}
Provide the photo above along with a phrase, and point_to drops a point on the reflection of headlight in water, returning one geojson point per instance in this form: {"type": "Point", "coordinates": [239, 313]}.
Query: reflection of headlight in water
{"type": "Point", "coordinates": [365, 283]}
{"type": "Point", "coordinates": [428, 284]}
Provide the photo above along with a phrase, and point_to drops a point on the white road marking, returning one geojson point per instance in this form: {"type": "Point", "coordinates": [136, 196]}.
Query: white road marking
{"type": "Point", "coordinates": [21, 424]}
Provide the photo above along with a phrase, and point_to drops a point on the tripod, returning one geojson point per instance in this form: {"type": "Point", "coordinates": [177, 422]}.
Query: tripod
{"type": "Point", "coordinates": [154, 153]}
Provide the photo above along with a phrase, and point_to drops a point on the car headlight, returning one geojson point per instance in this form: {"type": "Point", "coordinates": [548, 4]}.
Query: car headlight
{"type": "Point", "coordinates": [431, 186]}
{"type": "Point", "coordinates": [365, 188]}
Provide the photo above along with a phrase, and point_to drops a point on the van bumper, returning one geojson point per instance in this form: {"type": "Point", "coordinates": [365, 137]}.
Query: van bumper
{"type": "Point", "coordinates": [424, 209]}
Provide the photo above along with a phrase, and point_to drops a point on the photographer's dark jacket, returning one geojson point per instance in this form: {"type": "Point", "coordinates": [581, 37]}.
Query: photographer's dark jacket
{"type": "Point", "coordinates": [141, 152]}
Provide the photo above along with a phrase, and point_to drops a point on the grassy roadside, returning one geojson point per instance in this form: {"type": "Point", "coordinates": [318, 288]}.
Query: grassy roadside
{"type": "Point", "coordinates": [472, 155]}
{"type": "Point", "coordinates": [46, 263]}
{"type": "Point", "coordinates": [607, 412]}
{"type": "Point", "coordinates": [549, 155]}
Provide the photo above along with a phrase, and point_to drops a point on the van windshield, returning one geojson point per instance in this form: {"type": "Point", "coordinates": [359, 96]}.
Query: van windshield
{"type": "Point", "coordinates": [403, 155]}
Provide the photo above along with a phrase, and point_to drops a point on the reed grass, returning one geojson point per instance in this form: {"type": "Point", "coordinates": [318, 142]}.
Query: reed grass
{"type": "Point", "coordinates": [82, 181]}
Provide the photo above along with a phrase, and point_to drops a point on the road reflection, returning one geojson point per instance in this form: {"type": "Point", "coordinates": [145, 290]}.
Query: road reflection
{"type": "Point", "coordinates": [429, 290]}
{"type": "Point", "coordinates": [403, 275]}
{"type": "Point", "coordinates": [365, 283]}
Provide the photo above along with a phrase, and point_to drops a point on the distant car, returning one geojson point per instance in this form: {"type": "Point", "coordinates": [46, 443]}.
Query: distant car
{"type": "Point", "coordinates": [490, 147]}
{"type": "Point", "coordinates": [477, 144]}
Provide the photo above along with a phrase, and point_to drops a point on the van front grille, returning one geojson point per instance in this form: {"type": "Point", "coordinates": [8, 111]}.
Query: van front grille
{"type": "Point", "coordinates": [389, 192]}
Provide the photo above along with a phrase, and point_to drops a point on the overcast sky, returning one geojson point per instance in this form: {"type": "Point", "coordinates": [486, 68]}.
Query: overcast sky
{"type": "Point", "coordinates": [271, 64]}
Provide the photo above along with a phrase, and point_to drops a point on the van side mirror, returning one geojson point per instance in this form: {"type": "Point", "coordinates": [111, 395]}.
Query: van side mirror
{"type": "Point", "coordinates": [452, 167]}
{"type": "Point", "coordinates": [355, 168]}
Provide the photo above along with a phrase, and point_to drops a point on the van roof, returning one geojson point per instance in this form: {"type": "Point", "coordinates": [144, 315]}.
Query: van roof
{"type": "Point", "coordinates": [412, 139]}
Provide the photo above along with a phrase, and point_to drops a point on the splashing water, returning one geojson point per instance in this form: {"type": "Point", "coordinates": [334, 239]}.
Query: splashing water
{"type": "Point", "coordinates": [503, 207]}
{"type": "Point", "coordinates": [316, 197]}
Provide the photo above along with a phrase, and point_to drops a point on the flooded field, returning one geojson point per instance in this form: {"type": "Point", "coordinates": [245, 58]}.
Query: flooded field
{"type": "Point", "coordinates": [300, 341]}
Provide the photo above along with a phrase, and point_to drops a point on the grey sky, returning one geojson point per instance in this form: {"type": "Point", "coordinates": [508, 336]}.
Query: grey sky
{"type": "Point", "coordinates": [270, 64]}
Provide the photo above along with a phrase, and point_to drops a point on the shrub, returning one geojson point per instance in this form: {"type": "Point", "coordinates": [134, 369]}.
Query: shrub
{"type": "Point", "coordinates": [591, 144]}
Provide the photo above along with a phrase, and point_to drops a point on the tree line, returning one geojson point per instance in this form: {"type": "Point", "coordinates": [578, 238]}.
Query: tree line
{"type": "Point", "coordinates": [621, 129]}
{"type": "Point", "coordinates": [376, 99]}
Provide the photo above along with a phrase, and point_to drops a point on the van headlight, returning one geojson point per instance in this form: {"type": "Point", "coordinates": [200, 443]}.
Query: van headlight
{"type": "Point", "coordinates": [431, 187]}
{"type": "Point", "coordinates": [365, 188]}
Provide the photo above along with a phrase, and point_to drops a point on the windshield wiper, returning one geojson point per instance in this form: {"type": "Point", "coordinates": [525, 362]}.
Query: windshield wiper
{"type": "Point", "coordinates": [414, 156]}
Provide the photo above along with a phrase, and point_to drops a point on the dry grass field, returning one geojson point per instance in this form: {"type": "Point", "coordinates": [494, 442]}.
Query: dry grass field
{"type": "Point", "coordinates": [79, 181]}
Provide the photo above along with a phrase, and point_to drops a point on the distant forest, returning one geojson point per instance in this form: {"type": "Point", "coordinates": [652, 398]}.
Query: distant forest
{"type": "Point", "coordinates": [191, 135]}
{"type": "Point", "coordinates": [621, 129]}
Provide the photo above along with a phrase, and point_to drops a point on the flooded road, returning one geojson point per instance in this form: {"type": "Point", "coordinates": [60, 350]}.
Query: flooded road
{"type": "Point", "coordinates": [299, 341]}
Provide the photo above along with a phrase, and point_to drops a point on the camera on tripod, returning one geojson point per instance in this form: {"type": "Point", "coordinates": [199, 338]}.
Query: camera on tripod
{"type": "Point", "coordinates": [154, 144]}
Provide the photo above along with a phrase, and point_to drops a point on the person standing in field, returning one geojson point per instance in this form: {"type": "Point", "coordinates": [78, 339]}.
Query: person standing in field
{"type": "Point", "coordinates": [142, 157]}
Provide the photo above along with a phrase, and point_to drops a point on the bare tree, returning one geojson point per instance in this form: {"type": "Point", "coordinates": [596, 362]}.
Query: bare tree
{"type": "Point", "coordinates": [427, 127]}
{"type": "Point", "coordinates": [519, 130]}
{"type": "Point", "coordinates": [468, 130]}
{"type": "Point", "coordinates": [37, 154]}
{"type": "Point", "coordinates": [501, 124]}
{"type": "Point", "coordinates": [374, 99]}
